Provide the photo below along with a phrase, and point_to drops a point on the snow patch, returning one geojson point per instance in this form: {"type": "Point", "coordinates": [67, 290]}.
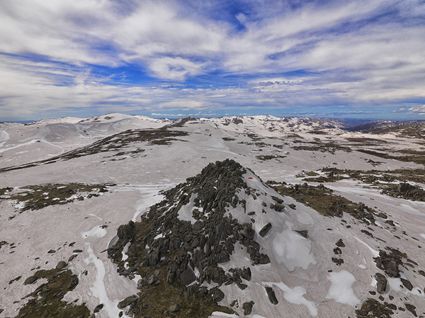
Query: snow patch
{"type": "Point", "coordinates": [296, 296]}
{"type": "Point", "coordinates": [97, 232]}
{"type": "Point", "coordinates": [186, 211]}
{"type": "Point", "coordinates": [341, 288]}
{"type": "Point", "coordinates": [160, 235]}
{"type": "Point", "coordinates": [19, 205]}
{"type": "Point", "coordinates": [292, 250]}
{"type": "Point", "coordinates": [150, 197]}
{"type": "Point", "coordinates": [98, 289]}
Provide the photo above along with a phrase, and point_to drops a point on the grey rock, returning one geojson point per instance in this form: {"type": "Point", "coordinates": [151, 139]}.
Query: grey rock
{"type": "Point", "coordinates": [30, 280]}
{"type": "Point", "coordinates": [216, 294]}
{"type": "Point", "coordinates": [303, 233]}
{"type": "Point", "coordinates": [381, 285]}
{"type": "Point", "coordinates": [340, 243]}
{"type": "Point", "coordinates": [127, 301]}
{"type": "Point", "coordinates": [61, 265]}
{"type": "Point", "coordinates": [265, 229]}
{"type": "Point", "coordinates": [406, 283]}
{"type": "Point", "coordinates": [98, 308]}
{"type": "Point", "coordinates": [187, 276]}
{"type": "Point", "coordinates": [247, 307]}
{"type": "Point", "coordinates": [271, 295]}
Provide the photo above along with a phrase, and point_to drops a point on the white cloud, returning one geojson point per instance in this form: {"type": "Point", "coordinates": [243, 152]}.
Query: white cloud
{"type": "Point", "coordinates": [184, 104]}
{"type": "Point", "coordinates": [418, 109]}
{"type": "Point", "coordinates": [174, 68]}
{"type": "Point", "coordinates": [351, 62]}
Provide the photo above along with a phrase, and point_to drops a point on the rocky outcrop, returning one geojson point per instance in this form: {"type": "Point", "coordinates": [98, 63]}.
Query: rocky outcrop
{"type": "Point", "coordinates": [325, 201]}
{"type": "Point", "coordinates": [373, 308]}
{"type": "Point", "coordinates": [406, 190]}
{"type": "Point", "coordinates": [182, 240]}
{"type": "Point", "coordinates": [390, 261]}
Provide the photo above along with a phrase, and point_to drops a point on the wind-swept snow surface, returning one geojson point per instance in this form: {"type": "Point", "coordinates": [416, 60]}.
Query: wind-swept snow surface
{"type": "Point", "coordinates": [310, 220]}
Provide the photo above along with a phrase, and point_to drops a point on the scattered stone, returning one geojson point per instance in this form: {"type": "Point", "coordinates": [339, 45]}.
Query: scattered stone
{"type": "Point", "coordinates": [247, 307]}
{"type": "Point", "coordinates": [265, 229]}
{"type": "Point", "coordinates": [127, 301]}
{"type": "Point", "coordinates": [303, 233]}
{"type": "Point", "coordinates": [278, 207]}
{"type": "Point", "coordinates": [337, 251]}
{"type": "Point", "coordinates": [3, 243]}
{"type": "Point", "coordinates": [61, 265]}
{"type": "Point", "coordinates": [271, 295]}
{"type": "Point", "coordinates": [216, 294]}
{"type": "Point", "coordinates": [98, 308]}
{"type": "Point", "coordinates": [406, 283]}
{"type": "Point", "coordinates": [411, 308]}
{"type": "Point", "coordinates": [340, 243]}
{"type": "Point", "coordinates": [381, 286]}
{"type": "Point", "coordinates": [15, 280]}
{"type": "Point", "coordinates": [338, 261]}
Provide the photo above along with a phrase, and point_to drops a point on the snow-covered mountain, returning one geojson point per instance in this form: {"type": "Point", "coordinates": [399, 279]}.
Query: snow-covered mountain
{"type": "Point", "coordinates": [406, 129]}
{"type": "Point", "coordinates": [123, 216]}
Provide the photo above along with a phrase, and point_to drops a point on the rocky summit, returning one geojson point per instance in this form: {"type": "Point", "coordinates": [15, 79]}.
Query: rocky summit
{"type": "Point", "coordinates": [259, 217]}
{"type": "Point", "coordinates": [182, 241]}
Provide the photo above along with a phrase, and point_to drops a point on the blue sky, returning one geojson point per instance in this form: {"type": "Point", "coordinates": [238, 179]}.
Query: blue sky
{"type": "Point", "coordinates": [358, 59]}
